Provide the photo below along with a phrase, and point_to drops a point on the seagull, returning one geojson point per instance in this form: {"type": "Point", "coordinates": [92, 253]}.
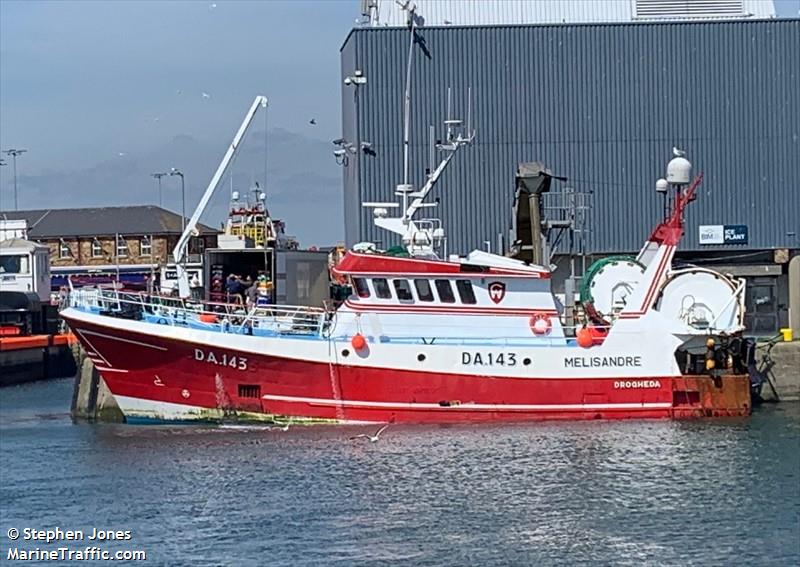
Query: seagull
{"type": "Point", "coordinates": [284, 428]}
{"type": "Point", "coordinates": [120, 154]}
{"type": "Point", "coordinates": [312, 121]}
{"type": "Point", "coordinates": [372, 438]}
{"type": "Point", "coordinates": [206, 95]}
{"type": "Point", "coordinates": [678, 153]}
{"type": "Point", "coordinates": [212, 6]}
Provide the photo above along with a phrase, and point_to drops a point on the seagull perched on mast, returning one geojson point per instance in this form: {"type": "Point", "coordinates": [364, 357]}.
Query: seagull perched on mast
{"type": "Point", "coordinates": [677, 152]}
{"type": "Point", "coordinates": [372, 438]}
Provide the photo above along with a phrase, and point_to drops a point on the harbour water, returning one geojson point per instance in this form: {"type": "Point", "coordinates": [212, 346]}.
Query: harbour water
{"type": "Point", "coordinates": [719, 492]}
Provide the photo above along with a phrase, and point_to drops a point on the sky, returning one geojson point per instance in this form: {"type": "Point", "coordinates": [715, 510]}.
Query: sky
{"type": "Point", "coordinates": [102, 94]}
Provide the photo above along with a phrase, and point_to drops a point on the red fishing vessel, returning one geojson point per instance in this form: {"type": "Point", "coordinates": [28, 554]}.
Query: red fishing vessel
{"type": "Point", "coordinates": [431, 337]}
{"type": "Point", "coordinates": [422, 339]}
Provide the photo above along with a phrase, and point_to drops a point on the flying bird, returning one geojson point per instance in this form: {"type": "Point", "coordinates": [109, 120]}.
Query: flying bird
{"type": "Point", "coordinates": [213, 6]}
{"type": "Point", "coordinates": [120, 154]}
{"type": "Point", "coordinates": [372, 438]}
{"type": "Point", "coordinates": [677, 152]}
{"type": "Point", "coordinates": [312, 121]}
{"type": "Point", "coordinates": [206, 95]}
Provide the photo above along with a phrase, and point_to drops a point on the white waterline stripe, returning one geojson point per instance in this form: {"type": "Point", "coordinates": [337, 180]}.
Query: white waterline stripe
{"type": "Point", "coordinates": [88, 342]}
{"type": "Point", "coordinates": [102, 369]}
{"type": "Point", "coordinates": [466, 406]}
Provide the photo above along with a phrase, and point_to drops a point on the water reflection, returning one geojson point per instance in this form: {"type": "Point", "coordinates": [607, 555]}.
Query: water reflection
{"type": "Point", "coordinates": [627, 493]}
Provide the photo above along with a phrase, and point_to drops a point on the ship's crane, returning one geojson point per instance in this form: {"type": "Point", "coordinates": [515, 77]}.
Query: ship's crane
{"type": "Point", "coordinates": [179, 252]}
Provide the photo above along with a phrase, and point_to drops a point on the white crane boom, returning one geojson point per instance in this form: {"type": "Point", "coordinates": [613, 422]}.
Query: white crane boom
{"type": "Point", "coordinates": [179, 252]}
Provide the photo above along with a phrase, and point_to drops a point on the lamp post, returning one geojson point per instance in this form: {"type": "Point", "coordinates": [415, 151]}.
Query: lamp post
{"type": "Point", "coordinates": [174, 171]}
{"type": "Point", "coordinates": [158, 176]}
{"type": "Point", "coordinates": [2, 163]}
{"type": "Point", "coordinates": [356, 80]}
{"type": "Point", "coordinates": [14, 153]}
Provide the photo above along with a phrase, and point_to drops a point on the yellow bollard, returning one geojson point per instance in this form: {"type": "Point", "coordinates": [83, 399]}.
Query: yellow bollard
{"type": "Point", "coordinates": [787, 335]}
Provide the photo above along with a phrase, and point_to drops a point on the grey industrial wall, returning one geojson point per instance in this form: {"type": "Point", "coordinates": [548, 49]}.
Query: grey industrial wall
{"type": "Point", "coordinates": [601, 104]}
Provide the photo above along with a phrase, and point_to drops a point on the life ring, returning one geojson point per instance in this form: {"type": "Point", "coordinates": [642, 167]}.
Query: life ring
{"type": "Point", "coordinates": [540, 324]}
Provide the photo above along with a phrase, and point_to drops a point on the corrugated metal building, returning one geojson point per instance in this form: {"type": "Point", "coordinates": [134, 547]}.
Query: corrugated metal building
{"type": "Point", "coordinates": [493, 12]}
{"type": "Point", "coordinates": [602, 104]}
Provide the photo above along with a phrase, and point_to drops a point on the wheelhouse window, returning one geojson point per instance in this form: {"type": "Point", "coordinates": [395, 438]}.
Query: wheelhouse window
{"type": "Point", "coordinates": [382, 289]}
{"type": "Point", "coordinates": [465, 292]}
{"type": "Point", "coordinates": [362, 289]}
{"type": "Point", "coordinates": [424, 291]}
{"type": "Point", "coordinates": [97, 249]}
{"type": "Point", "coordinates": [145, 246]}
{"type": "Point", "coordinates": [445, 291]}
{"type": "Point", "coordinates": [17, 264]}
{"type": "Point", "coordinates": [403, 289]}
{"type": "Point", "coordinates": [64, 251]}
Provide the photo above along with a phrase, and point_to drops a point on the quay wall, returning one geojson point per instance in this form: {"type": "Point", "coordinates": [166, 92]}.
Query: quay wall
{"type": "Point", "coordinates": [786, 372]}
{"type": "Point", "coordinates": [91, 398]}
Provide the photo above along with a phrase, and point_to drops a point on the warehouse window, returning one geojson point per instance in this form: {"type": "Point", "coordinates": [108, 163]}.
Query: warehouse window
{"type": "Point", "coordinates": [97, 249]}
{"type": "Point", "coordinates": [122, 247]}
{"type": "Point", "coordinates": [445, 291]}
{"type": "Point", "coordinates": [424, 292]}
{"type": "Point", "coordinates": [362, 289]}
{"type": "Point", "coordinates": [382, 289]}
{"type": "Point", "coordinates": [465, 292]}
{"type": "Point", "coordinates": [656, 9]}
{"type": "Point", "coordinates": [64, 251]}
{"type": "Point", "coordinates": [145, 246]}
{"type": "Point", "coordinates": [403, 289]}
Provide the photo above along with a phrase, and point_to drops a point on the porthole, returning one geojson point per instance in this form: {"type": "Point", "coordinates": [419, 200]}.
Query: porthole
{"type": "Point", "coordinates": [345, 352]}
{"type": "Point", "coordinates": [526, 361]}
{"type": "Point", "coordinates": [421, 357]}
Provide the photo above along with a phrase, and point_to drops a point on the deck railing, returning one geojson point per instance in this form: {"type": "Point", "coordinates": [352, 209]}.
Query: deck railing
{"type": "Point", "coordinates": [295, 320]}
{"type": "Point", "coordinates": [217, 316]}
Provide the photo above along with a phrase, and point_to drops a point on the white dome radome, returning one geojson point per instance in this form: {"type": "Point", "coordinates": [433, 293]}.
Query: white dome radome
{"type": "Point", "coordinates": [679, 171]}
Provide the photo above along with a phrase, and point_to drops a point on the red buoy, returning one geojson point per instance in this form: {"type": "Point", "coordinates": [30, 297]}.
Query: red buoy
{"type": "Point", "coordinates": [585, 338]}
{"type": "Point", "coordinates": [358, 341]}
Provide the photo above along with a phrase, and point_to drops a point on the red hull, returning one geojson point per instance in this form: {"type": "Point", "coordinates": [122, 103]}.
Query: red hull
{"type": "Point", "coordinates": [165, 371]}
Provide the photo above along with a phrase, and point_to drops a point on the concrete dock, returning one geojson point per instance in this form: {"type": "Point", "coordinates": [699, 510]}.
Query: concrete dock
{"type": "Point", "coordinates": [91, 398]}
{"type": "Point", "coordinates": [35, 357]}
{"type": "Point", "coordinates": [786, 372]}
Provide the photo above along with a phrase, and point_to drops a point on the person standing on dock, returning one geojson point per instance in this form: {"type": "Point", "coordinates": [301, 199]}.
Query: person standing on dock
{"type": "Point", "coordinates": [251, 293]}
{"type": "Point", "coordinates": [195, 288]}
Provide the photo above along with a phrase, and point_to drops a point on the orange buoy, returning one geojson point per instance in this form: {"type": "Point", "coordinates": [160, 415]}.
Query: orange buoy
{"type": "Point", "coordinates": [208, 318]}
{"type": "Point", "coordinates": [598, 334]}
{"type": "Point", "coordinates": [585, 338]}
{"type": "Point", "coordinates": [358, 341]}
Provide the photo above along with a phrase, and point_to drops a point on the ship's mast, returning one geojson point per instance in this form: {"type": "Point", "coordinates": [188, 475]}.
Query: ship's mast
{"type": "Point", "coordinates": [422, 237]}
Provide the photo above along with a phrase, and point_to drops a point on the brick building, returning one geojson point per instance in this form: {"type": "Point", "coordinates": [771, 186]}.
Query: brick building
{"type": "Point", "coordinates": [136, 240]}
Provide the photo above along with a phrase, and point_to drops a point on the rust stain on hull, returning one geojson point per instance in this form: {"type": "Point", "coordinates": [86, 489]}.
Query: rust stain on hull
{"type": "Point", "coordinates": [727, 395]}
